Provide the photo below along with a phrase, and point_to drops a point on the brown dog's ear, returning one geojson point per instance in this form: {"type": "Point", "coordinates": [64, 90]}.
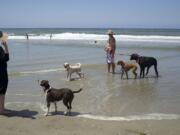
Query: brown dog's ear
{"type": "Point", "coordinates": [120, 62]}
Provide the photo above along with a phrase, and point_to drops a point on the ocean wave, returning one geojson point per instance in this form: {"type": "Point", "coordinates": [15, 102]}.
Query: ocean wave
{"type": "Point", "coordinates": [98, 37]}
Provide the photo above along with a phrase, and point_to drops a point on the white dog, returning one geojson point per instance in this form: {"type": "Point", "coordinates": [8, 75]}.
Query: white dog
{"type": "Point", "coordinates": [73, 69]}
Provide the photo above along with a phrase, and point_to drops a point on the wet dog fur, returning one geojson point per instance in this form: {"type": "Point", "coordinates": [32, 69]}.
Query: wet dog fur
{"type": "Point", "coordinates": [73, 69]}
{"type": "Point", "coordinates": [125, 67]}
{"type": "Point", "coordinates": [53, 95]}
{"type": "Point", "coordinates": [145, 62]}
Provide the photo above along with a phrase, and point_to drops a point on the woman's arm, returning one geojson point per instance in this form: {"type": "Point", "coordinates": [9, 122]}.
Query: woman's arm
{"type": "Point", "coordinates": [4, 53]}
{"type": "Point", "coordinates": [5, 47]}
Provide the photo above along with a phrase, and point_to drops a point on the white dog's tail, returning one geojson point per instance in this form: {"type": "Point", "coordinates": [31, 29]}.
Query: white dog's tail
{"type": "Point", "coordinates": [78, 91]}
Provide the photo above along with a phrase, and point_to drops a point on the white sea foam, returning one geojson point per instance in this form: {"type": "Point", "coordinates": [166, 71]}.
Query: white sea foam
{"type": "Point", "coordinates": [99, 37]}
{"type": "Point", "coordinates": [42, 71]}
{"type": "Point", "coordinates": [20, 94]}
{"type": "Point", "coordinates": [152, 116]}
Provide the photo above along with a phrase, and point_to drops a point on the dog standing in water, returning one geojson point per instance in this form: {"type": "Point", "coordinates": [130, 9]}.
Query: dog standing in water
{"type": "Point", "coordinates": [73, 69]}
{"type": "Point", "coordinates": [54, 95]}
{"type": "Point", "coordinates": [144, 62]}
{"type": "Point", "coordinates": [126, 67]}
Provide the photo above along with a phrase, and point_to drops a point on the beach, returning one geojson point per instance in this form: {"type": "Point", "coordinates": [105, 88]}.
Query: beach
{"type": "Point", "coordinates": [107, 104]}
{"type": "Point", "coordinates": [64, 125]}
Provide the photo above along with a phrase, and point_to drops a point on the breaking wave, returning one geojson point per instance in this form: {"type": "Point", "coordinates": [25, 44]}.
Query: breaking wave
{"type": "Point", "coordinates": [98, 37]}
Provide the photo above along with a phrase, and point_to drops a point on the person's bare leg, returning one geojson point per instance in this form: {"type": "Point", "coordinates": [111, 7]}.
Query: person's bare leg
{"type": "Point", "coordinates": [113, 68]}
{"type": "Point", "coordinates": [2, 98]}
{"type": "Point", "coordinates": [109, 67]}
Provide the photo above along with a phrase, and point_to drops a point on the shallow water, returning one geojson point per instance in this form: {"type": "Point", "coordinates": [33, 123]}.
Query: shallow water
{"type": "Point", "coordinates": [104, 94]}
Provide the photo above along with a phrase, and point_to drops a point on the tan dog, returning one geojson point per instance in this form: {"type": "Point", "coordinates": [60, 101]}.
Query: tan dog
{"type": "Point", "coordinates": [126, 67]}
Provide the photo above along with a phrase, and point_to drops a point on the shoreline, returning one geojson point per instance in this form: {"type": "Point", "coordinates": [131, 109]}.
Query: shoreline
{"type": "Point", "coordinates": [66, 125]}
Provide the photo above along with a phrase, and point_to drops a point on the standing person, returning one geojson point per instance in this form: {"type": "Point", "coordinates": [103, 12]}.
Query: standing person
{"type": "Point", "coordinates": [27, 36]}
{"type": "Point", "coordinates": [50, 36]}
{"type": "Point", "coordinates": [4, 57]}
{"type": "Point", "coordinates": [110, 51]}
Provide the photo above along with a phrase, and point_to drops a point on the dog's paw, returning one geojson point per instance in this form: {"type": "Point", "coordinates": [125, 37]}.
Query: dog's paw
{"type": "Point", "coordinates": [65, 113]}
{"type": "Point", "coordinates": [46, 114]}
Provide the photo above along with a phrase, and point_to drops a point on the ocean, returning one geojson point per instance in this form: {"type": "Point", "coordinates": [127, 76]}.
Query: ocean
{"type": "Point", "coordinates": [104, 96]}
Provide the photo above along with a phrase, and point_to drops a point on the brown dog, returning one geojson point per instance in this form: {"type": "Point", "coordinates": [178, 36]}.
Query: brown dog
{"type": "Point", "coordinates": [126, 67]}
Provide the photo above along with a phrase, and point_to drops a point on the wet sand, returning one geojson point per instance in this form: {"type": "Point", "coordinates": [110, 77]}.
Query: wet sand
{"type": "Point", "coordinates": [27, 122]}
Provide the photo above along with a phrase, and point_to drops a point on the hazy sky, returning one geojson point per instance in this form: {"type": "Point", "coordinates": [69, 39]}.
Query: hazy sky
{"type": "Point", "coordinates": [90, 13]}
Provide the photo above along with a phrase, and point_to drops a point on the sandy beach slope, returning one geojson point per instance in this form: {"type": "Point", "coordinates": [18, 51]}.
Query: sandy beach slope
{"type": "Point", "coordinates": [27, 122]}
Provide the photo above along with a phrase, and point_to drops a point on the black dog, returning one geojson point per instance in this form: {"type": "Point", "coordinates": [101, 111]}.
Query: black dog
{"type": "Point", "coordinates": [55, 95]}
{"type": "Point", "coordinates": [144, 62]}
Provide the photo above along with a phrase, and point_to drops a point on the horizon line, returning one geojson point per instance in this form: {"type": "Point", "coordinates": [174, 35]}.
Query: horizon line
{"type": "Point", "coordinates": [88, 28]}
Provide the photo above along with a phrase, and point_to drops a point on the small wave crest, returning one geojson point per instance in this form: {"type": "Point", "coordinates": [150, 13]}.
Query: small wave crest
{"type": "Point", "coordinates": [153, 116]}
{"type": "Point", "coordinates": [42, 71]}
{"type": "Point", "coordinates": [35, 72]}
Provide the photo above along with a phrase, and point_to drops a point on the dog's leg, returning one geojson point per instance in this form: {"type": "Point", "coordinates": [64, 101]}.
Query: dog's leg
{"type": "Point", "coordinates": [70, 76]}
{"type": "Point", "coordinates": [127, 75]}
{"type": "Point", "coordinates": [55, 105]}
{"type": "Point", "coordinates": [47, 112]}
{"type": "Point", "coordinates": [122, 73]}
{"type": "Point", "coordinates": [141, 72]}
{"type": "Point", "coordinates": [155, 68]}
{"type": "Point", "coordinates": [147, 71]}
{"type": "Point", "coordinates": [65, 102]}
{"type": "Point", "coordinates": [67, 74]}
{"type": "Point", "coordinates": [134, 72]}
{"type": "Point", "coordinates": [70, 107]}
{"type": "Point", "coordinates": [80, 75]}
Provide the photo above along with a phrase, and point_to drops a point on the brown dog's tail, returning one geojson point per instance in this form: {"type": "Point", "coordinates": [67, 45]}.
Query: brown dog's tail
{"type": "Point", "coordinates": [78, 91]}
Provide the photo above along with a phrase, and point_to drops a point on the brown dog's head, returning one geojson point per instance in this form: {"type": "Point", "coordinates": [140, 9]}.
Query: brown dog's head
{"type": "Point", "coordinates": [45, 85]}
{"type": "Point", "coordinates": [121, 63]}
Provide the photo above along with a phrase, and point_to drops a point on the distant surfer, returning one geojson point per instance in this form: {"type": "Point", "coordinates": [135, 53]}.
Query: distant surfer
{"type": "Point", "coordinates": [27, 36]}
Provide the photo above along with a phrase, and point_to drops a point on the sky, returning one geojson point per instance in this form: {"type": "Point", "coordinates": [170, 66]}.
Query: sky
{"type": "Point", "coordinates": [90, 13]}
